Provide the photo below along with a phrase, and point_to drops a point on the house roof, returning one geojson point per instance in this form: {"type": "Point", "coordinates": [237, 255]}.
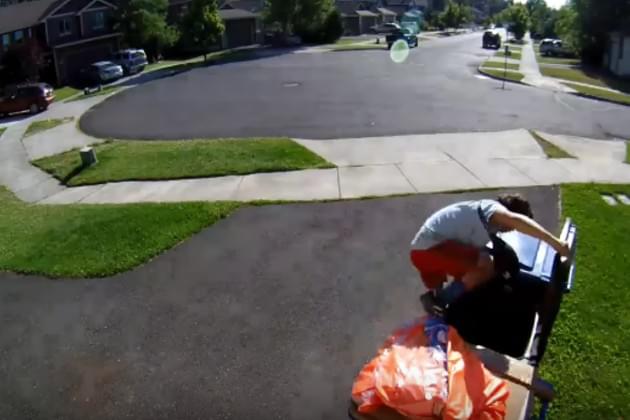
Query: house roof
{"type": "Point", "coordinates": [24, 15]}
{"type": "Point", "coordinates": [253, 6]}
{"type": "Point", "coordinates": [232, 14]}
{"type": "Point", "coordinates": [366, 13]}
{"type": "Point", "coordinates": [385, 11]}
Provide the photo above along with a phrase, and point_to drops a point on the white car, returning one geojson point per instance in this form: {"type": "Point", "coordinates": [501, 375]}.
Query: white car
{"type": "Point", "coordinates": [131, 60]}
{"type": "Point", "coordinates": [106, 71]}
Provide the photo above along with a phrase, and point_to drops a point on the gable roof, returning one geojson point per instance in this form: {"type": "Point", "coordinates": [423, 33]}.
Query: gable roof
{"type": "Point", "coordinates": [231, 14]}
{"type": "Point", "coordinates": [253, 6]}
{"type": "Point", "coordinates": [366, 13]}
{"type": "Point", "coordinates": [24, 15]}
{"type": "Point", "coordinates": [385, 11]}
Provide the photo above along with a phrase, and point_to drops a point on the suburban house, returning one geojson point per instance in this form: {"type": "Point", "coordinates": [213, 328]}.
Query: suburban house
{"type": "Point", "coordinates": [242, 20]}
{"type": "Point", "coordinates": [617, 57]}
{"type": "Point", "coordinates": [69, 33]}
{"type": "Point", "coordinates": [360, 16]}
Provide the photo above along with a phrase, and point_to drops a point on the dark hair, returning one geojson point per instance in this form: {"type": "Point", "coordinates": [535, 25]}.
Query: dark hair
{"type": "Point", "coordinates": [516, 203]}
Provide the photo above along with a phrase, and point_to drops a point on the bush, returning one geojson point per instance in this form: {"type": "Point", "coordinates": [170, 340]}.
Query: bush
{"type": "Point", "coordinates": [333, 27]}
{"type": "Point", "coordinates": [329, 31]}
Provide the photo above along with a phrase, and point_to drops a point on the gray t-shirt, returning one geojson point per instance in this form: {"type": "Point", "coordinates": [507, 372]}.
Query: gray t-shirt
{"type": "Point", "coordinates": [466, 222]}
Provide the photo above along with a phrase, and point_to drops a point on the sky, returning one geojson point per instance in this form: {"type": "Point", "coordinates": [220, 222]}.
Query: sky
{"type": "Point", "coordinates": [556, 4]}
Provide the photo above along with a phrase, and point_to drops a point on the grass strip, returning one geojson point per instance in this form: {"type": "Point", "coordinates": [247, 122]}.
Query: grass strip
{"type": "Point", "coordinates": [105, 90]}
{"type": "Point", "coordinates": [42, 125]}
{"type": "Point", "coordinates": [500, 65]}
{"type": "Point", "coordinates": [603, 94]}
{"type": "Point", "coordinates": [159, 160]}
{"type": "Point", "coordinates": [64, 93]}
{"type": "Point", "coordinates": [500, 74]}
{"type": "Point", "coordinates": [551, 150]}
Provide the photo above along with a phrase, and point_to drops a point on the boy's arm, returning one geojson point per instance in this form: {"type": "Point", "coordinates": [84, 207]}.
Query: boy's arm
{"type": "Point", "coordinates": [514, 221]}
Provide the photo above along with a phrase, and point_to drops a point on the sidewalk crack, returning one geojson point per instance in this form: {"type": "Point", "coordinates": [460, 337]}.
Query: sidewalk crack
{"type": "Point", "coordinates": [338, 183]}
{"type": "Point", "coordinates": [465, 168]}
{"type": "Point", "coordinates": [405, 176]}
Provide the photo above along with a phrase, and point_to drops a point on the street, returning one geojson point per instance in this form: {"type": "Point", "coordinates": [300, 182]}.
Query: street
{"type": "Point", "coordinates": [349, 94]}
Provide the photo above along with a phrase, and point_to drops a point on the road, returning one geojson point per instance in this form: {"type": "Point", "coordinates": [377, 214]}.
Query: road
{"type": "Point", "coordinates": [269, 314]}
{"type": "Point", "coordinates": [348, 94]}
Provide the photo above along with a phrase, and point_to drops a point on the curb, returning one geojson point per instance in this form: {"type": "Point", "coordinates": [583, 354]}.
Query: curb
{"type": "Point", "coordinates": [597, 98]}
{"type": "Point", "coordinates": [492, 76]}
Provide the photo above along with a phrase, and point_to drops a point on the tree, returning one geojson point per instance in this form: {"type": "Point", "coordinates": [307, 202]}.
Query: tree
{"type": "Point", "coordinates": [281, 12]}
{"type": "Point", "coordinates": [143, 24]}
{"type": "Point", "coordinates": [202, 26]}
{"type": "Point", "coordinates": [22, 62]}
{"type": "Point", "coordinates": [593, 20]}
{"type": "Point", "coordinates": [518, 19]}
{"type": "Point", "coordinates": [454, 15]}
{"type": "Point", "coordinates": [315, 21]}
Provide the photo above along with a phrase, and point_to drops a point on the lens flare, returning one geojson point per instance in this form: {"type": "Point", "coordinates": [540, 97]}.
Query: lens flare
{"type": "Point", "coordinates": [399, 51]}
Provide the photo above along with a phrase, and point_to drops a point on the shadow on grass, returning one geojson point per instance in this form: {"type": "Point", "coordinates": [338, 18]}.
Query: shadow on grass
{"type": "Point", "coordinates": [74, 172]}
{"type": "Point", "coordinates": [622, 85]}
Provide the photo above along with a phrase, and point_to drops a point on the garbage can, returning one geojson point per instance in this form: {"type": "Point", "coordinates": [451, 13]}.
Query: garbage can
{"type": "Point", "coordinates": [515, 317]}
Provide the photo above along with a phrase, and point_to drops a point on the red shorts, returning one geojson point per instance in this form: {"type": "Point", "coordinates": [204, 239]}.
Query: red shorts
{"type": "Point", "coordinates": [446, 258]}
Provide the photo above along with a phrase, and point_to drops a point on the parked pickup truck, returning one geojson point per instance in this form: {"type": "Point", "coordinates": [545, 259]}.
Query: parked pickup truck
{"type": "Point", "coordinates": [404, 34]}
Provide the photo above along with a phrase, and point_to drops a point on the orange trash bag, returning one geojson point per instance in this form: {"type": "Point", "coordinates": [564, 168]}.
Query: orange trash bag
{"type": "Point", "coordinates": [410, 376]}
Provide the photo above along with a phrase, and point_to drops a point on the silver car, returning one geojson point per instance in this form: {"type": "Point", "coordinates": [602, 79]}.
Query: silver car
{"type": "Point", "coordinates": [131, 60]}
{"type": "Point", "coordinates": [106, 71]}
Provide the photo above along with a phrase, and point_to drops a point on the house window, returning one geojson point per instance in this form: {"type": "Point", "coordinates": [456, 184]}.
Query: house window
{"type": "Point", "coordinates": [99, 20]}
{"type": "Point", "coordinates": [64, 27]}
{"type": "Point", "coordinates": [18, 36]}
{"type": "Point", "coordinates": [5, 41]}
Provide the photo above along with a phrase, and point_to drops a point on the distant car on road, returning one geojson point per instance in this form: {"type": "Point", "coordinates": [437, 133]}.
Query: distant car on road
{"type": "Point", "coordinates": [32, 97]}
{"type": "Point", "coordinates": [131, 60]}
{"type": "Point", "coordinates": [101, 72]}
{"type": "Point", "coordinates": [491, 39]}
{"type": "Point", "coordinates": [402, 33]}
{"type": "Point", "coordinates": [386, 28]}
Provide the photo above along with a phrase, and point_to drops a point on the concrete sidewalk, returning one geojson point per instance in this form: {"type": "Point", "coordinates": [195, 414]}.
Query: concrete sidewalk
{"type": "Point", "coordinates": [378, 166]}
{"type": "Point", "coordinates": [354, 181]}
{"type": "Point", "coordinates": [533, 76]}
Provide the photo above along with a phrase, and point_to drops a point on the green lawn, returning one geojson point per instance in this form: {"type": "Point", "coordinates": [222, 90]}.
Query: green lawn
{"type": "Point", "coordinates": [551, 150]}
{"type": "Point", "coordinates": [145, 160]}
{"type": "Point", "coordinates": [346, 41]}
{"type": "Point", "coordinates": [511, 76]}
{"type": "Point", "coordinates": [39, 126]}
{"type": "Point", "coordinates": [588, 358]}
{"type": "Point", "coordinates": [358, 47]}
{"type": "Point", "coordinates": [2, 130]}
{"type": "Point", "coordinates": [223, 56]}
{"type": "Point", "coordinates": [600, 93]}
{"type": "Point", "coordinates": [94, 240]}
{"type": "Point", "coordinates": [592, 77]}
{"type": "Point", "coordinates": [498, 64]}
{"type": "Point", "coordinates": [64, 93]}
{"type": "Point", "coordinates": [554, 60]}
{"type": "Point", "coordinates": [105, 90]}
{"type": "Point", "coordinates": [515, 55]}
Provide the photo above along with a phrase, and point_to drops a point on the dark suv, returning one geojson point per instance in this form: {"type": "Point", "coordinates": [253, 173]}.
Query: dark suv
{"type": "Point", "coordinates": [491, 39]}
{"type": "Point", "coordinates": [33, 97]}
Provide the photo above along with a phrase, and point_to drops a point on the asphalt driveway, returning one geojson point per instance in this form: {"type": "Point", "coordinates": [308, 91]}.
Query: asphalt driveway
{"type": "Point", "coordinates": [268, 314]}
{"type": "Point", "coordinates": [348, 94]}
